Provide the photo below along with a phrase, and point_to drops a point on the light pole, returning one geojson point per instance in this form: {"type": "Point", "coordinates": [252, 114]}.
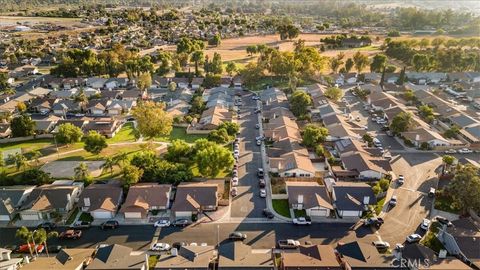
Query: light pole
{"type": "Point", "coordinates": [33, 240]}
{"type": "Point", "coordinates": [218, 236]}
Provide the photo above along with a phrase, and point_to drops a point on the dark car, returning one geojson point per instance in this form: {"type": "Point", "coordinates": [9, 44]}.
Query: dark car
{"type": "Point", "coordinates": [178, 245]}
{"type": "Point", "coordinates": [267, 213]}
{"type": "Point", "coordinates": [443, 220]}
{"type": "Point", "coordinates": [237, 236]}
{"type": "Point", "coordinates": [261, 183]}
{"type": "Point", "coordinates": [47, 226]}
{"type": "Point", "coordinates": [55, 249]}
{"type": "Point", "coordinates": [260, 172]}
{"type": "Point", "coordinates": [110, 224]}
{"type": "Point", "coordinates": [182, 222]}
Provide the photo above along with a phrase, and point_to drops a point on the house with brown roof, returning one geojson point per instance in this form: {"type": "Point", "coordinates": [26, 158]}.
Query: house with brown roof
{"type": "Point", "coordinates": [293, 164]}
{"type": "Point", "coordinates": [351, 199]}
{"type": "Point", "coordinates": [309, 196]}
{"type": "Point", "coordinates": [312, 257]}
{"type": "Point", "coordinates": [101, 201]}
{"type": "Point", "coordinates": [145, 197]}
{"type": "Point", "coordinates": [234, 255]}
{"type": "Point", "coordinates": [425, 258]}
{"type": "Point", "coordinates": [46, 200]}
{"type": "Point", "coordinates": [281, 128]}
{"type": "Point", "coordinates": [118, 257]}
{"type": "Point", "coordinates": [423, 135]}
{"type": "Point", "coordinates": [213, 117]}
{"type": "Point", "coordinates": [359, 255]}
{"type": "Point", "coordinates": [66, 259]}
{"type": "Point", "coordinates": [194, 198]}
{"type": "Point", "coordinates": [187, 258]}
{"type": "Point", "coordinates": [368, 167]}
{"type": "Point", "coordinates": [106, 127]}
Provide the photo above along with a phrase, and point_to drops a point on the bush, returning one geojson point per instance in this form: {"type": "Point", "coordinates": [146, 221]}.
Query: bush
{"type": "Point", "coordinates": [384, 184]}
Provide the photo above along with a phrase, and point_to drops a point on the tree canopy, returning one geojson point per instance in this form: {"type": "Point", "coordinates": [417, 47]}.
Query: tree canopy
{"type": "Point", "coordinates": [152, 119]}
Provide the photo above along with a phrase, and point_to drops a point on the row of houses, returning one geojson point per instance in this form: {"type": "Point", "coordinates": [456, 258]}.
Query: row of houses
{"type": "Point", "coordinates": [237, 255]}
{"type": "Point", "coordinates": [106, 200]}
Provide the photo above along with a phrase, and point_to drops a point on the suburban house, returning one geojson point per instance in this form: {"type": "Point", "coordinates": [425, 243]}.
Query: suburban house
{"type": "Point", "coordinates": [101, 201]}
{"type": "Point", "coordinates": [194, 198]}
{"type": "Point", "coordinates": [426, 77]}
{"type": "Point", "coordinates": [7, 262]}
{"type": "Point", "coordinates": [106, 127]}
{"type": "Point", "coordinates": [281, 128]}
{"type": "Point", "coordinates": [293, 164]}
{"type": "Point", "coordinates": [197, 82]}
{"type": "Point", "coordinates": [5, 130]}
{"type": "Point", "coordinates": [309, 196]}
{"type": "Point", "coordinates": [351, 199]}
{"type": "Point", "coordinates": [311, 257]}
{"type": "Point", "coordinates": [272, 95]}
{"type": "Point", "coordinates": [366, 166]}
{"type": "Point", "coordinates": [181, 82]}
{"type": "Point", "coordinates": [66, 259]}
{"type": "Point", "coordinates": [423, 135]}
{"type": "Point", "coordinates": [96, 82]}
{"type": "Point", "coordinates": [145, 197]}
{"type": "Point", "coordinates": [187, 258]}
{"type": "Point", "coordinates": [11, 199]}
{"type": "Point", "coordinates": [428, 259]}
{"type": "Point", "coordinates": [212, 118]}
{"type": "Point", "coordinates": [47, 201]}
{"type": "Point", "coordinates": [462, 240]}
{"type": "Point", "coordinates": [234, 255]}
{"type": "Point", "coordinates": [359, 255]}
{"type": "Point", "coordinates": [118, 257]}
{"type": "Point", "coordinates": [97, 107]}
{"type": "Point", "coordinates": [117, 107]}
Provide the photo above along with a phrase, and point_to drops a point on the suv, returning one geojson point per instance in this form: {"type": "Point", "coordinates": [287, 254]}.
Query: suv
{"type": "Point", "coordinates": [80, 225]}
{"type": "Point", "coordinates": [393, 201]}
{"type": "Point", "coordinates": [302, 221]}
{"type": "Point", "coordinates": [373, 221]}
{"type": "Point", "coordinates": [237, 236]}
{"type": "Point", "coordinates": [181, 222]}
{"type": "Point", "coordinates": [267, 213]}
{"type": "Point", "coordinates": [260, 172]}
{"type": "Point", "coordinates": [47, 226]}
{"type": "Point", "coordinates": [109, 224]}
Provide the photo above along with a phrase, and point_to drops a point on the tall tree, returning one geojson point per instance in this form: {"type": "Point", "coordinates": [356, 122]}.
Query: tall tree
{"type": "Point", "coordinates": [465, 188]}
{"type": "Point", "coordinates": [144, 81]}
{"type": "Point", "coordinates": [334, 93]}
{"type": "Point", "coordinates": [131, 175]}
{"type": "Point", "coordinates": [82, 173]}
{"type": "Point", "coordinates": [378, 63]}
{"type": "Point", "coordinates": [231, 68]}
{"type": "Point", "coordinates": [349, 64]}
{"type": "Point", "coordinates": [299, 101]}
{"type": "Point", "coordinates": [22, 126]}
{"type": "Point", "coordinates": [420, 62]}
{"type": "Point", "coordinates": [360, 60]}
{"type": "Point", "coordinates": [152, 119]}
{"type": "Point", "coordinates": [216, 65]}
{"type": "Point", "coordinates": [401, 122]}
{"type": "Point", "coordinates": [68, 134]}
{"type": "Point", "coordinates": [313, 134]}
{"type": "Point", "coordinates": [95, 142]}
{"type": "Point", "coordinates": [197, 58]}
{"type": "Point", "coordinates": [213, 159]}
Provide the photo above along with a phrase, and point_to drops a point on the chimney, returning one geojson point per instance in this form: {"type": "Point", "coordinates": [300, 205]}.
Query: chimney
{"type": "Point", "coordinates": [174, 252]}
{"type": "Point", "coordinates": [300, 199]}
{"type": "Point", "coordinates": [86, 201]}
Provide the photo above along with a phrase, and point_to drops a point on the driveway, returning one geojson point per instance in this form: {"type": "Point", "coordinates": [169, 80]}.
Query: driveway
{"type": "Point", "coordinates": [248, 203]}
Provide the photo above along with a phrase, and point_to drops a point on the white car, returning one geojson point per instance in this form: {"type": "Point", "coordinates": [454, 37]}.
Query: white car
{"type": "Point", "coordinates": [263, 193]}
{"type": "Point", "coordinates": [401, 179]}
{"type": "Point", "coordinates": [302, 221]}
{"type": "Point", "coordinates": [234, 181]}
{"type": "Point", "coordinates": [162, 223]}
{"type": "Point", "coordinates": [160, 247]}
{"type": "Point", "coordinates": [465, 151]}
{"type": "Point", "coordinates": [414, 238]}
{"type": "Point", "coordinates": [450, 151]}
{"type": "Point", "coordinates": [425, 224]}
{"type": "Point", "coordinates": [259, 142]}
{"type": "Point", "coordinates": [393, 201]}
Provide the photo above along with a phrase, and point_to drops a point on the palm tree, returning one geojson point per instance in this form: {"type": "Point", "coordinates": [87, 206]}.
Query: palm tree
{"type": "Point", "coordinates": [110, 162]}
{"type": "Point", "coordinates": [121, 158]}
{"type": "Point", "coordinates": [25, 234]}
{"type": "Point", "coordinates": [41, 236]}
{"type": "Point", "coordinates": [197, 57]}
{"type": "Point", "coordinates": [35, 155]}
{"type": "Point", "coordinates": [81, 98]}
{"type": "Point", "coordinates": [81, 172]}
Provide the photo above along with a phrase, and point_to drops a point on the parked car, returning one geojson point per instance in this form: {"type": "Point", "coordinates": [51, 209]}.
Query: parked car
{"type": "Point", "coordinates": [26, 248]}
{"type": "Point", "coordinates": [288, 244]}
{"type": "Point", "coordinates": [431, 192]}
{"type": "Point", "coordinates": [234, 181]}
{"type": "Point", "coordinates": [162, 223]}
{"type": "Point", "coordinates": [178, 245]}
{"type": "Point", "coordinates": [393, 201]}
{"type": "Point", "coordinates": [399, 246]}
{"type": "Point", "coordinates": [267, 213]}
{"type": "Point", "coordinates": [443, 220]}
{"type": "Point", "coordinates": [55, 249]}
{"type": "Point", "coordinates": [401, 179]}
{"type": "Point", "coordinates": [71, 234]}
{"type": "Point", "coordinates": [80, 225]}
{"type": "Point", "coordinates": [182, 222]}
{"type": "Point", "coordinates": [450, 151]}
{"type": "Point", "coordinates": [47, 226]}
{"type": "Point", "coordinates": [260, 138]}
{"type": "Point", "coordinates": [374, 221]}
{"type": "Point", "coordinates": [234, 192]}
{"type": "Point", "coordinates": [414, 238]}
{"type": "Point", "coordinates": [257, 126]}
{"type": "Point", "coordinates": [160, 247]}
{"type": "Point", "coordinates": [263, 193]}
{"type": "Point", "coordinates": [425, 224]}
{"type": "Point", "coordinates": [302, 221]}
{"type": "Point", "coordinates": [465, 151]}
{"type": "Point", "coordinates": [381, 245]}
{"type": "Point", "coordinates": [259, 142]}
{"type": "Point", "coordinates": [261, 183]}
{"type": "Point", "coordinates": [237, 236]}
{"type": "Point", "coordinates": [260, 172]}
{"type": "Point", "coordinates": [109, 224]}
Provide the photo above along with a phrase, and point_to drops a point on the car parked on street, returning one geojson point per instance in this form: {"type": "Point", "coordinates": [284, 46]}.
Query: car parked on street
{"type": "Point", "coordinates": [78, 225]}
{"type": "Point", "coordinates": [259, 143]}
{"type": "Point", "coordinates": [234, 192]}
{"type": "Point", "coordinates": [47, 226]}
{"type": "Point", "coordinates": [425, 224]}
{"type": "Point", "coordinates": [182, 222]}
{"type": "Point", "coordinates": [160, 247]}
{"type": "Point", "coordinates": [109, 224]}
{"type": "Point", "coordinates": [70, 234]}
{"type": "Point", "coordinates": [465, 151]}
{"type": "Point", "coordinates": [178, 245]}
{"type": "Point", "coordinates": [26, 248]}
{"type": "Point", "coordinates": [450, 151]}
{"type": "Point", "coordinates": [267, 213]}
{"type": "Point", "coordinates": [413, 238]}
{"type": "Point", "coordinates": [234, 181]}
{"type": "Point", "coordinates": [374, 221]}
{"type": "Point", "coordinates": [381, 245]}
{"type": "Point", "coordinates": [261, 183]}
{"type": "Point", "coordinates": [443, 220]}
{"type": "Point", "coordinates": [302, 221]}
{"type": "Point", "coordinates": [393, 201]}
{"type": "Point", "coordinates": [263, 193]}
{"type": "Point", "coordinates": [401, 179]}
{"type": "Point", "coordinates": [260, 172]}
{"type": "Point", "coordinates": [161, 223]}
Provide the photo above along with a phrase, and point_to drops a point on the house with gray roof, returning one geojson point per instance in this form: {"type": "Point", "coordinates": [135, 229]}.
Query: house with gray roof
{"type": "Point", "coordinates": [194, 198]}
{"type": "Point", "coordinates": [234, 255]}
{"type": "Point", "coordinates": [351, 199]}
{"type": "Point", "coordinates": [101, 201]}
{"type": "Point", "coordinates": [11, 199]}
{"type": "Point", "coordinates": [309, 196]}
{"type": "Point", "coordinates": [118, 257]}
{"type": "Point", "coordinates": [187, 258]}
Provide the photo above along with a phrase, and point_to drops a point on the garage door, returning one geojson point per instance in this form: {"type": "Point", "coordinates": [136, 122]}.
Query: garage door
{"type": "Point", "coordinates": [4, 218]}
{"type": "Point", "coordinates": [318, 212]}
{"type": "Point", "coordinates": [133, 215]}
{"type": "Point", "coordinates": [180, 214]}
{"type": "Point", "coordinates": [29, 216]}
{"type": "Point", "coordinates": [351, 213]}
{"type": "Point", "coordinates": [101, 214]}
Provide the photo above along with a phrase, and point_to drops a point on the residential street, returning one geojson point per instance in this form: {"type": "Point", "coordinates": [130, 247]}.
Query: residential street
{"type": "Point", "coordinates": [248, 202]}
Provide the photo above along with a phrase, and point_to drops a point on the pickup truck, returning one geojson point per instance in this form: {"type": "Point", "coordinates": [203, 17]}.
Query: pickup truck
{"type": "Point", "coordinates": [302, 221]}
{"type": "Point", "coordinates": [288, 244]}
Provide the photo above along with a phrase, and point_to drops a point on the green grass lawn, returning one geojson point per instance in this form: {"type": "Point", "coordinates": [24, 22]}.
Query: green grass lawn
{"type": "Point", "coordinates": [126, 134]}
{"type": "Point", "coordinates": [72, 216]}
{"type": "Point", "coordinates": [85, 217]}
{"type": "Point", "coordinates": [196, 173]}
{"type": "Point", "coordinates": [444, 202]}
{"type": "Point", "coordinates": [281, 207]}
{"type": "Point", "coordinates": [179, 133]}
{"type": "Point", "coordinates": [111, 150]}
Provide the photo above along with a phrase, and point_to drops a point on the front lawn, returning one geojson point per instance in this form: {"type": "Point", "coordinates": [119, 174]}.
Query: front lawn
{"type": "Point", "coordinates": [281, 207]}
{"type": "Point", "coordinates": [179, 133]}
{"type": "Point", "coordinates": [85, 217]}
{"type": "Point", "coordinates": [445, 203]}
{"type": "Point", "coordinates": [72, 216]}
{"type": "Point", "coordinates": [126, 134]}
{"type": "Point", "coordinates": [299, 213]}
